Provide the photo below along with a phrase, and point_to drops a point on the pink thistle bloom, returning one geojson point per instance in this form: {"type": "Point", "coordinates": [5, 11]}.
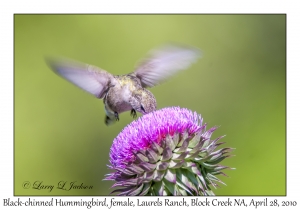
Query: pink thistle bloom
{"type": "Point", "coordinates": [166, 152]}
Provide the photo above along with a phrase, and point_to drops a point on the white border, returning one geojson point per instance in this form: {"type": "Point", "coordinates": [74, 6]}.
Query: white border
{"type": "Point", "coordinates": [8, 8]}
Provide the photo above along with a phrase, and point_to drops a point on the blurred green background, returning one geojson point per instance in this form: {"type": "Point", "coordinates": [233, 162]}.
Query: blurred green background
{"type": "Point", "coordinates": [239, 85]}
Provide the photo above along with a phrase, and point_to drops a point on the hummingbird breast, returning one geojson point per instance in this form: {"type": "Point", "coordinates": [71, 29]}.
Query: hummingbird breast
{"type": "Point", "coordinates": [118, 98]}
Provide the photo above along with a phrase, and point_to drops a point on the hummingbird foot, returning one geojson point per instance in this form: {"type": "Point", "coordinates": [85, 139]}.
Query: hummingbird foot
{"type": "Point", "coordinates": [133, 113]}
{"type": "Point", "coordinates": [117, 116]}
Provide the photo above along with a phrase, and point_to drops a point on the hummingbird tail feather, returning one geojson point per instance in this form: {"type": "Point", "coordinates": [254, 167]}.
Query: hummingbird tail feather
{"type": "Point", "coordinates": [109, 121]}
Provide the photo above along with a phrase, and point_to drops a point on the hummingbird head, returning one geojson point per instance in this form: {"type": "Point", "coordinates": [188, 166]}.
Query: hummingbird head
{"type": "Point", "coordinates": [148, 102]}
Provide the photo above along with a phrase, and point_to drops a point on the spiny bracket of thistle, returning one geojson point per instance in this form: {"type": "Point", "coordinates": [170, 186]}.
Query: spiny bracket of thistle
{"type": "Point", "coordinates": [178, 162]}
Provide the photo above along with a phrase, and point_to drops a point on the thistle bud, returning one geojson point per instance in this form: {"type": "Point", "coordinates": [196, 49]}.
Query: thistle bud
{"type": "Point", "coordinates": [167, 152]}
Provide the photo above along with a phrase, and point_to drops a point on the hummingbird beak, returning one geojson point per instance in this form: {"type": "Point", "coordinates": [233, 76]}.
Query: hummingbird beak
{"type": "Point", "coordinates": [143, 110]}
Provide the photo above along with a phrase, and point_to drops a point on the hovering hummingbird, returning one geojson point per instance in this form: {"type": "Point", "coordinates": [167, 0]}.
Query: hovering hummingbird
{"type": "Point", "coordinates": [121, 93]}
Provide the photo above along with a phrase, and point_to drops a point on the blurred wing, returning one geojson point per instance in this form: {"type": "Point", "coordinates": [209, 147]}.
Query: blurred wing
{"type": "Point", "coordinates": [89, 78]}
{"type": "Point", "coordinates": [165, 62]}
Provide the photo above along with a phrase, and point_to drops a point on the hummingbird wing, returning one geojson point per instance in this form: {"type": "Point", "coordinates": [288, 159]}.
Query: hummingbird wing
{"type": "Point", "coordinates": [164, 62]}
{"type": "Point", "coordinates": [89, 78]}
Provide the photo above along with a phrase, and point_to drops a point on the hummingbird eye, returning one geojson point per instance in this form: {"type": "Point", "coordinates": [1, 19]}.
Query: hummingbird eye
{"type": "Point", "coordinates": [142, 108]}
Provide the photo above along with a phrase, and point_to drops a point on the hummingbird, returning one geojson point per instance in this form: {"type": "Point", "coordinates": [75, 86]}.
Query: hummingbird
{"type": "Point", "coordinates": [121, 93]}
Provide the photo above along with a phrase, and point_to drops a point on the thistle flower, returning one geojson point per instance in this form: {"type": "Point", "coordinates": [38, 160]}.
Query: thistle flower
{"type": "Point", "coordinates": [166, 152]}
